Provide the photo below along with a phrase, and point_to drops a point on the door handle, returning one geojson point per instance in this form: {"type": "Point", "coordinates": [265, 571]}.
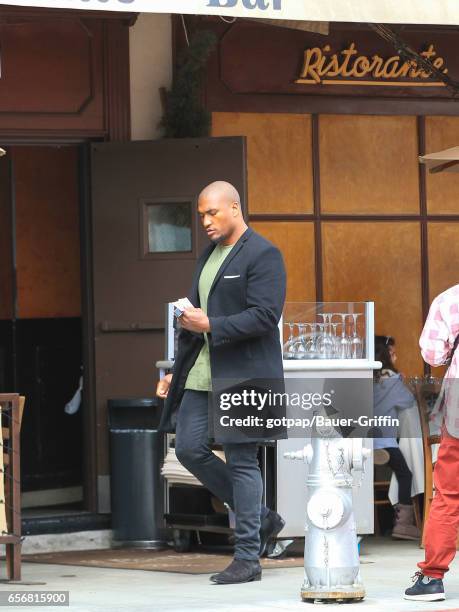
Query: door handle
{"type": "Point", "coordinates": [133, 326]}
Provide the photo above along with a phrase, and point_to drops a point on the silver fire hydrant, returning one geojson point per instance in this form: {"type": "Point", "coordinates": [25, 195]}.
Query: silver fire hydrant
{"type": "Point", "coordinates": [331, 557]}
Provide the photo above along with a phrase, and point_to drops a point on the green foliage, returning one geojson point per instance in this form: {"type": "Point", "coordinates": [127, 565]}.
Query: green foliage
{"type": "Point", "coordinates": [185, 116]}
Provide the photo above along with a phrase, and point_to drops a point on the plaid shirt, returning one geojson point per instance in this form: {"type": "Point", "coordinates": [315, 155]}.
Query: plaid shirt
{"type": "Point", "coordinates": [437, 340]}
{"type": "Point", "coordinates": [440, 331]}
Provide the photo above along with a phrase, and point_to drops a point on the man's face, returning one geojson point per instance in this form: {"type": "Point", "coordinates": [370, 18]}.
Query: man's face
{"type": "Point", "coordinates": [218, 217]}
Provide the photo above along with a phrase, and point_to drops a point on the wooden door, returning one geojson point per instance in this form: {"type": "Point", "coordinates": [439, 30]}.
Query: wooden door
{"type": "Point", "coordinates": [146, 239]}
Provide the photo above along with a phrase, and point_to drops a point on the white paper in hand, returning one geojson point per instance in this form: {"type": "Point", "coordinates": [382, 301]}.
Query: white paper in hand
{"type": "Point", "coordinates": [181, 305]}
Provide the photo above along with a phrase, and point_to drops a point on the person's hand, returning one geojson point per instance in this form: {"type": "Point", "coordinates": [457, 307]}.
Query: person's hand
{"type": "Point", "coordinates": [195, 320]}
{"type": "Point", "coordinates": [162, 388]}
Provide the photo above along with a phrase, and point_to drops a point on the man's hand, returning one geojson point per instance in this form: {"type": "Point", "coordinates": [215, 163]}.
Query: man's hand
{"type": "Point", "coordinates": [195, 320]}
{"type": "Point", "coordinates": [162, 388]}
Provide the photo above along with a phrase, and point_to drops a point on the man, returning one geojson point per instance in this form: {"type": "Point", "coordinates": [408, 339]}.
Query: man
{"type": "Point", "coordinates": [438, 343]}
{"type": "Point", "coordinates": [238, 293]}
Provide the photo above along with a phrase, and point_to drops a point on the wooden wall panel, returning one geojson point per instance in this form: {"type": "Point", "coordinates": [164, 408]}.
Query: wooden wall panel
{"type": "Point", "coordinates": [279, 153]}
{"type": "Point", "coordinates": [368, 164]}
{"type": "Point", "coordinates": [48, 236]}
{"type": "Point", "coordinates": [255, 68]}
{"type": "Point", "coordinates": [6, 279]}
{"type": "Point", "coordinates": [379, 262]}
{"type": "Point", "coordinates": [55, 63]}
{"type": "Point", "coordinates": [443, 240]}
{"type": "Point", "coordinates": [296, 242]}
{"type": "Point", "coordinates": [53, 76]}
{"type": "Point", "coordinates": [442, 189]}
{"type": "Point", "coordinates": [64, 75]}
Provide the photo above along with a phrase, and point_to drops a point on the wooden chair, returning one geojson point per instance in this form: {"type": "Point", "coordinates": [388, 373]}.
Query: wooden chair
{"type": "Point", "coordinates": [381, 484]}
{"type": "Point", "coordinates": [426, 393]}
{"type": "Point", "coordinates": [12, 408]}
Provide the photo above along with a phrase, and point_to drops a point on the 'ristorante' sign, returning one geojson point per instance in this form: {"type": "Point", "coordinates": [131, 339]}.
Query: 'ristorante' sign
{"type": "Point", "coordinates": [320, 67]}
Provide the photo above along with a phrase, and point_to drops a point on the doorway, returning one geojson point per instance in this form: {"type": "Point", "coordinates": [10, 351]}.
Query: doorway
{"type": "Point", "coordinates": [41, 319]}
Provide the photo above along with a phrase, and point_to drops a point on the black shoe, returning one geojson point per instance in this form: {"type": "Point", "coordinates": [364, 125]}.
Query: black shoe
{"type": "Point", "coordinates": [271, 525]}
{"type": "Point", "coordinates": [426, 589]}
{"type": "Point", "coordinates": [238, 571]}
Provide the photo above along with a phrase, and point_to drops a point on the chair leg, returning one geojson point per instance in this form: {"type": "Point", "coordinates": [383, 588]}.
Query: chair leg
{"type": "Point", "coordinates": [9, 561]}
{"type": "Point", "coordinates": [417, 512]}
{"type": "Point", "coordinates": [13, 561]}
{"type": "Point", "coordinates": [376, 528]}
{"type": "Point", "coordinates": [17, 558]}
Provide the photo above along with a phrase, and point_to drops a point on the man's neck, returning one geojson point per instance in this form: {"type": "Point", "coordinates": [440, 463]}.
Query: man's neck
{"type": "Point", "coordinates": [234, 236]}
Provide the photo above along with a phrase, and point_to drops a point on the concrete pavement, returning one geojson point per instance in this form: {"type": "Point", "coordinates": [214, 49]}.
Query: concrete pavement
{"type": "Point", "coordinates": [386, 570]}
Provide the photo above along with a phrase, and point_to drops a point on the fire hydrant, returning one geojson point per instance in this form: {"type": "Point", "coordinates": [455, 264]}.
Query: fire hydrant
{"type": "Point", "coordinates": [331, 556]}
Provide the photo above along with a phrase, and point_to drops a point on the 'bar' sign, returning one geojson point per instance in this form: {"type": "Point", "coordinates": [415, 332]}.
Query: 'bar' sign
{"type": "Point", "coordinates": [439, 12]}
{"type": "Point", "coordinates": [262, 5]}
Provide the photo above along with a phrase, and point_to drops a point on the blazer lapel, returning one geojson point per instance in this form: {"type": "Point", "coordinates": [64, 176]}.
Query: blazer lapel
{"type": "Point", "coordinates": [234, 251]}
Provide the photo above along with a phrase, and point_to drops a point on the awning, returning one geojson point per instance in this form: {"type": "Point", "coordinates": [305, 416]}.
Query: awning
{"type": "Point", "coordinates": [443, 161]}
{"type": "Point", "coordinates": [435, 12]}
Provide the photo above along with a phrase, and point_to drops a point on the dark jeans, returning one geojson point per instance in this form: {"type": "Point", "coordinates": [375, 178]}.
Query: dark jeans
{"type": "Point", "coordinates": [237, 482]}
{"type": "Point", "coordinates": [403, 474]}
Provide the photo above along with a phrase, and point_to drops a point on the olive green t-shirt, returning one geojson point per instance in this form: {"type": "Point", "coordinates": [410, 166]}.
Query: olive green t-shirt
{"type": "Point", "coordinates": [199, 377]}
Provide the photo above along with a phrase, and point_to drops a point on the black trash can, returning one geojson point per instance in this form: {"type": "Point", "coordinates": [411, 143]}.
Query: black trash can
{"type": "Point", "coordinates": [137, 450]}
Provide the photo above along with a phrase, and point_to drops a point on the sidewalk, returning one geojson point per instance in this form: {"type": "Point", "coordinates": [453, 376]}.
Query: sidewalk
{"type": "Point", "coordinates": [386, 570]}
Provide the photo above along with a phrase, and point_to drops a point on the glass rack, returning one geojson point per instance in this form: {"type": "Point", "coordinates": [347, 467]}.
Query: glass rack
{"type": "Point", "coordinates": [328, 330]}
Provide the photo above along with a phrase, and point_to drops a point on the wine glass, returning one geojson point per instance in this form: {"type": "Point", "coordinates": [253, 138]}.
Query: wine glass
{"type": "Point", "coordinates": [344, 341]}
{"type": "Point", "coordinates": [300, 347]}
{"type": "Point", "coordinates": [314, 341]}
{"type": "Point", "coordinates": [321, 343]}
{"type": "Point", "coordinates": [356, 340]}
{"type": "Point", "coordinates": [288, 348]}
{"type": "Point", "coordinates": [336, 344]}
{"type": "Point", "coordinates": [309, 341]}
{"type": "Point", "coordinates": [328, 336]}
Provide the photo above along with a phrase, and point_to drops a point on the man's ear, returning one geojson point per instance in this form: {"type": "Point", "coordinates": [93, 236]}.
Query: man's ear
{"type": "Point", "coordinates": [235, 207]}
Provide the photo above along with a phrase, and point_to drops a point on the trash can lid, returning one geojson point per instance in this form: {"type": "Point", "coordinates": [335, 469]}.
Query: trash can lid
{"type": "Point", "coordinates": [127, 413]}
{"type": "Point", "coordinates": [133, 402]}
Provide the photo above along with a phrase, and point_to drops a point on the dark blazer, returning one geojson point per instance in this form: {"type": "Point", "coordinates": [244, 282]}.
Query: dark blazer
{"type": "Point", "coordinates": [244, 307]}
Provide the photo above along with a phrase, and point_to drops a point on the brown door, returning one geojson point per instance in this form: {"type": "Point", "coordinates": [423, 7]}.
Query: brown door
{"type": "Point", "coordinates": [146, 239]}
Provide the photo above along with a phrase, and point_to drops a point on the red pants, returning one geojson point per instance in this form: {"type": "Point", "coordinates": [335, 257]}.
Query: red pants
{"type": "Point", "coordinates": [442, 526]}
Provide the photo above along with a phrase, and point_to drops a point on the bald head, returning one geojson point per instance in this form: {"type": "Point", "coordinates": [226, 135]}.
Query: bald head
{"type": "Point", "coordinates": [219, 207]}
{"type": "Point", "coordinates": [221, 190]}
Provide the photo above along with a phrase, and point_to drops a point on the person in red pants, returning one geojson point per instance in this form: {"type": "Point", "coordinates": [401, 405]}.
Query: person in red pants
{"type": "Point", "coordinates": [438, 346]}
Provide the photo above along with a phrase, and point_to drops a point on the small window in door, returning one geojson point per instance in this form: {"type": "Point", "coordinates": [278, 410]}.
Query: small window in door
{"type": "Point", "coordinates": [167, 228]}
